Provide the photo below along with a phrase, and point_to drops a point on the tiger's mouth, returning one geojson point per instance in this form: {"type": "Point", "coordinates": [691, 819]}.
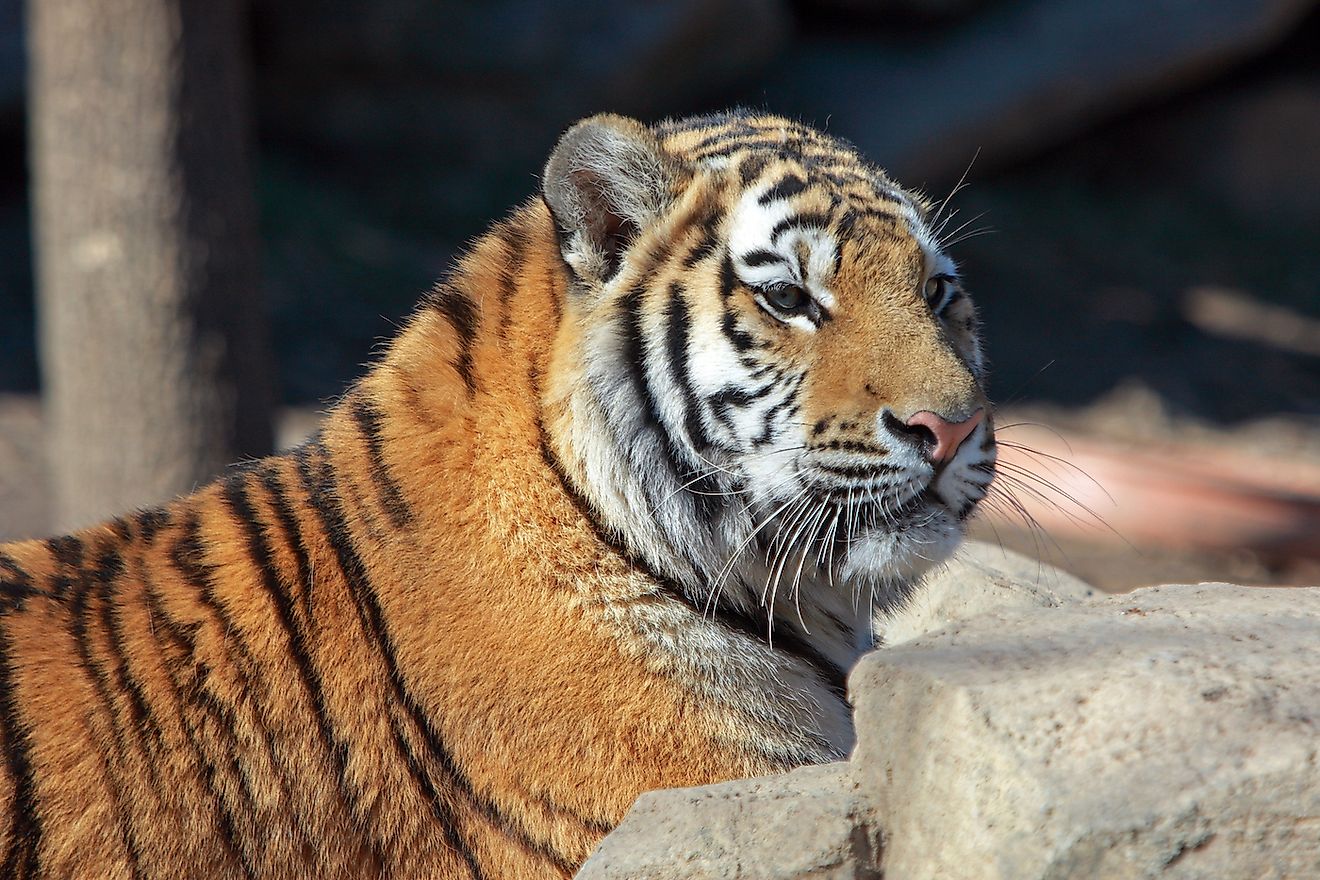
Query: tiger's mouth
{"type": "Point", "coordinates": [873, 496]}
{"type": "Point", "coordinates": [828, 522]}
{"type": "Point", "coordinates": [869, 508]}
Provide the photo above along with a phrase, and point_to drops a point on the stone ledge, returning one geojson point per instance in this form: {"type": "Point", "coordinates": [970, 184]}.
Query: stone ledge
{"type": "Point", "coordinates": [808, 823]}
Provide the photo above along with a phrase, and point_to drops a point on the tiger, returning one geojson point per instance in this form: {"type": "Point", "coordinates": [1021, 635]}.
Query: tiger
{"type": "Point", "coordinates": [616, 510]}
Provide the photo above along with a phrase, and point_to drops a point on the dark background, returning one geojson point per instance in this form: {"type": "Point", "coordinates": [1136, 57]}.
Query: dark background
{"type": "Point", "coordinates": [1147, 172]}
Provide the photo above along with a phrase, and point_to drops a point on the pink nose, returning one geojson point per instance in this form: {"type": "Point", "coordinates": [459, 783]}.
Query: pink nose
{"type": "Point", "coordinates": [948, 435]}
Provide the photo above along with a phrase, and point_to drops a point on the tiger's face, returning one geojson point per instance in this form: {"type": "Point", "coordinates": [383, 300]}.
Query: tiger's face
{"type": "Point", "coordinates": [799, 358]}
{"type": "Point", "coordinates": [837, 361]}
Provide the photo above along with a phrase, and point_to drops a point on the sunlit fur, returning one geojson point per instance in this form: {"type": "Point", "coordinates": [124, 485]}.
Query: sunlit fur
{"type": "Point", "coordinates": [597, 522]}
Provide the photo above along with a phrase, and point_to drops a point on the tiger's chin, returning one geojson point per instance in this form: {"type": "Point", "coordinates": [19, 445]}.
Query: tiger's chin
{"type": "Point", "coordinates": [894, 560]}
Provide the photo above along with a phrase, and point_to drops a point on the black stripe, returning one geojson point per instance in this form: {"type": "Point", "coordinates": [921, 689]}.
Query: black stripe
{"type": "Point", "coordinates": [843, 231]}
{"type": "Point", "coordinates": [731, 395]}
{"type": "Point", "coordinates": [832, 676]}
{"type": "Point", "coordinates": [279, 502]}
{"type": "Point", "coordinates": [740, 339]}
{"type": "Point", "coordinates": [16, 586]}
{"type": "Point", "coordinates": [440, 810]}
{"type": "Point", "coordinates": [853, 446]}
{"type": "Point", "coordinates": [857, 471]}
{"type": "Point", "coordinates": [681, 462]}
{"type": "Point", "coordinates": [844, 177]}
{"type": "Point", "coordinates": [751, 167]}
{"type": "Point", "coordinates": [779, 141]}
{"type": "Point", "coordinates": [767, 429]}
{"type": "Point", "coordinates": [368, 420]}
{"type": "Point", "coordinates": [728, 278]}
{"type": "Point", "coordinates": [788, 186]}
{"type": "Point", "coordinates": [151, 521]}
{"type": "Point", "coordinates": [709, 239]}
{"type": "Point", "coordinates": [513, 264]}
{"type": "Point", "coordinates": [705, 491]}
{"type": "Point", "coordinates": [705, 247]}
{"type": "Point", "coordinates": [762, 257]}
{"type": "Point", "coordinates": [67, 550]}
{"type": "Point", "coordinates": [462, 315]}
{"type": "Point", "coordinates": [634, 355]}
{"type": "Point", "coordinates": [21, 860]}
{"type": "Point", "coordinates": [140, 713]}
{"type": "Point", "coordinates": [318, 481]}
{"type": "Point", "coordinates": [95, 671]}
{"type": "Point", "coordinates": [800, 221]}
{"type": "Point", "coordinates": [184, 636]}
{"type": "Point", "coordinates": [734, 133]}
{"type": "Point", "coordinates": [108, 568]}
{"type": "Point", "coordinates": [677, 320]}
{"type": "Point", "coordinates": [718, 119]}
{"type": "Point", "coordinates": [259, 553]}
{"type": "Point", "coordinates": [188, 556]}
{"type": "Point", "coordinates": [724, 400]}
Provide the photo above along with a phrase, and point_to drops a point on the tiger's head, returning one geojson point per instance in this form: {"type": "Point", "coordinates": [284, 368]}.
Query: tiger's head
{"type": "Point", "coordinates": [768, 381]}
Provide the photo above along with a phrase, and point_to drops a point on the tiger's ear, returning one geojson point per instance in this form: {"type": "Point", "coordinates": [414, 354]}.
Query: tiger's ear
{"type": "Point", "coordinates": [607, 179]}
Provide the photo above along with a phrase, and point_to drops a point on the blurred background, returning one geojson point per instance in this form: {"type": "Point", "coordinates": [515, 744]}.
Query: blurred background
{"type": "Point", "coordinates": [1142, 210]}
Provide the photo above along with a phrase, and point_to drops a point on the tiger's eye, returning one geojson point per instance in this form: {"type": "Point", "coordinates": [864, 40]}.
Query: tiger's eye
{"type": "Point", "coordinates": [934, 290]}
{"type": "Point", "coordinates": [787, 297]}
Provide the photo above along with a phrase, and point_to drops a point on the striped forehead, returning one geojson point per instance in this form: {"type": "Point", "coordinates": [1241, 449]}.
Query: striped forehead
{"type": "Point", "coordinates": [774, 238]}
{"type": "Point", "coordinates": [787, 228]}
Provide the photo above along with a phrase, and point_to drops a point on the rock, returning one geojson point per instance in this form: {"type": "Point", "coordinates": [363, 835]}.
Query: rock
{"type": "Point", "coordinates": [981, 577]}
{"type": "Point", "coordinates": [800, 824]}
{"type": "Point", "coordinates": [1170, 731]}
{"type": "Point", "coordinates": [1017, 78]}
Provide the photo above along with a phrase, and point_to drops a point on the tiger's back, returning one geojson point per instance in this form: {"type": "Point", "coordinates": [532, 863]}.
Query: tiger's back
{"type": "Point", "coordinates": [459, 630]}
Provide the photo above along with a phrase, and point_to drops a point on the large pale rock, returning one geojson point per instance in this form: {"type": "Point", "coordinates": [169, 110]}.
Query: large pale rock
{"type": "Point", "coordinates": [808, 823]}
{"type": "Point", "coordinates": [1017, 78]}
{"type": "Point", "coordinates": [981, 577]}
{"type": "Point", "coordinates": [1170, 732]}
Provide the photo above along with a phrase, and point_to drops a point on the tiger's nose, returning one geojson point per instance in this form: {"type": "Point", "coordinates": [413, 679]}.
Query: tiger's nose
{"type": "Point", "coordinates": [939, 438]}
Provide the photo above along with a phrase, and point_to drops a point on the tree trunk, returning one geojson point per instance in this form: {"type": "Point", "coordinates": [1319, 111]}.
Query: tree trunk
{"type": "Point", "coordinates": [154, 348]}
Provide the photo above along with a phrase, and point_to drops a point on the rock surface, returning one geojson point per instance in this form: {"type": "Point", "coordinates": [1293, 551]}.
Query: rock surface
{"type": "Point", "coordinates": [981, 577]}
{"type": "Point", "coordinates": [803, 824]}
{"type": "Point", "coordinates": [1169, 732]}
